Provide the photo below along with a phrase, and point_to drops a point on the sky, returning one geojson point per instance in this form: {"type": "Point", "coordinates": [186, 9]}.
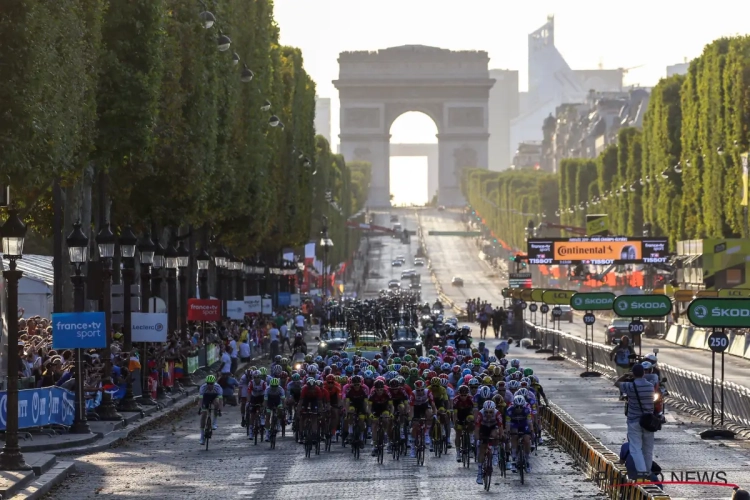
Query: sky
{"type": "Point", "coordinates": [646, 35]}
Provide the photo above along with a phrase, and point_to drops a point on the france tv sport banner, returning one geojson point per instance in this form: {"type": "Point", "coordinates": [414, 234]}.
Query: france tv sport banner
{"type": "Point", "coordinates": [253, 304]}
{"type": "Point", "coordinates": [204, 310]}
{"type": "Point", "coordinates": [81, 330]}
{"type": "Point", "coordinates": [39, 407]}
{"type": "Point", "coordinates": [148, 327]}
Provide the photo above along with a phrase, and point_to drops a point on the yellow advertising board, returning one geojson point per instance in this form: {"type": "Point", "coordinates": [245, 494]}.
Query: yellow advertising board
{"type": "Point", "coordinates": [536, 294]}
{"type": "Point", "coordinates": [526, 294]}
{"type": "Point", "coordinates": [597, 224]}
{"type": "Point", "coordinates": [724, 264]}
{"type": "Point", "coordinates": [516, 293]}
{"type": "Point", "coordinates": [742, 293]}
{"type": "Point", "coordinates": [684, 295]}
{"type": "Point", "coordinates": [557, 297]}
{"type": "Point", "coordinates": [706, 294]}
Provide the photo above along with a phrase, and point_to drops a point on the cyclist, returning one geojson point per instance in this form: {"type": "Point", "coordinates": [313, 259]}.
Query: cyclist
{"type": "Point", "coordinates": [443, 405]}
{"type": "Point", "coordinates": [487, 426]}
{"type": "Point", "coordinates": [312, 399]}
{"type": "Point", "coordinates": [273, 400]}
{"type": "Point", "coordinates": [244, 382]}
{"type": "Point", "coordinates": [519, 421]}
{"type": "Point", "coordinates": [381, 404]}
{"type": "Point", "coordinates": [463, 406]}
{"type": "Point", "coordinates": [422, 407]}
{"type": "Point", "coordinates": [256, 391]}
{"type": "Point", "coordinates": [400, 395]}
{"type": "Point", "coordinates": [293, 389]}
{"type": "Point", "coordinates": [355, 397]}
{"type": "Point", "coordinates": [211, 394]}
{"type": "Point", "coordinates": [334, 397]}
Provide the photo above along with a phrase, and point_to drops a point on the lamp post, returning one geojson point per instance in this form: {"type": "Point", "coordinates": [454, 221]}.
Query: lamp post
{"type": "Point", "coordinates": [105, 241]}
{"type": "Point", "coordinates": [13, 234]}
{"type": "Point", "coordinates": [156, 268]}
{"type": "Point", "coordinates": [147, 250]}
{"type": "Point", "coordinates": [170, 262]}
{"type": "Point", "coordinates": [239, 291]}
{"type": "Point", "coordinates": [128, 243]}
{"type": "Point", "coordinates": [183, 259]}
{"type": "Point", "coordinates": [78, 250]}
{"type": "Point", "coordinates": [203, 260]}
{"type": "Point", "coordinates": [220, 258]}
{"type": "Point", "coordinates": [326, 243]}
{"type": "Point", "coordinates": [247, 274]}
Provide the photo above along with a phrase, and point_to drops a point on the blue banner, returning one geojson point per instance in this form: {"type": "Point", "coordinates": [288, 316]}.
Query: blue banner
{"type": "Point", "coordinates": [285, 299]}
{"type": "Point", "coordinates": [78, 330]}
{"type": "Point", "coordinates": [38, 407]}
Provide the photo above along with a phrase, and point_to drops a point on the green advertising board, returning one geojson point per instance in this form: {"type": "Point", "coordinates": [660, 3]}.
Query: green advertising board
{"type": "Point", "coordinates": [595, 301]}
{"type": "Point", "coordinates": [557, 297]}
{"type": "Point", "coordinates": [642, 306]}
{"type": "Point", "coordinates": [192, 364]}
{"type": "Point", "coordinates": [720, 313]}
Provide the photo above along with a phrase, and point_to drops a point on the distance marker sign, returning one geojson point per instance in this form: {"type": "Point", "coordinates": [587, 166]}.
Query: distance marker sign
{"type": "Point", "coordinates": [532, 307]}
{"type": "Point", "coordinates": [643, 306]}
{"type": "Point", "coordinates": [720, 313]}
{"type": "Point", "coordinates": [599, 301]}
{"type": "Point", "coordinates": [544, 308]}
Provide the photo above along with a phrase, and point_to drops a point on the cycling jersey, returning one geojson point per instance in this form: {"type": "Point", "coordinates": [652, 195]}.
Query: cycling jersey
{"type": "Point", "coordinates": [399, 395]}
{"type": "Point", "coordinates": [274, 396]}
{"type": "Point", "coordinates": [518, 417]}
{"type": "Point", "coordinates": [294, 389]}
{"type": "Point", "coordinates": [379, 399]}
{"type": "Point", "coordinates": [311, 395]}
{"type": "Point", "coordinates": [210, 393]}
{"type": "Point", "coordinates": [334, 393]}
{"type": "Point", "coordinates": [463, 402]}
{"type": "Point", "coordinates": [489, 418]}
{"type": "Point", "coordinates": [421, 398]}
{"type": "Point", "coordinates": [257, 389]}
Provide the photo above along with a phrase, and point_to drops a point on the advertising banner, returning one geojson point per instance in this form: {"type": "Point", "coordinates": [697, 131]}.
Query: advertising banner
{"type": "Point", "coordinates": [737, 293]}
{"type": "Point", "coordinates": [192, 364]}
{"type": "Point", "coordinates": [557, 297]}
{"type": "Point", "coordinates": [634, 306]}
{"type": "Point", "coordinates": [212, 354]}
{"type": "Point", "coordinates": [253, 304]}
{"type": "Point", "coordinates": [235, 309]}
{"type": "Point", "coordinates": [720, 313]}
{"type": "Point", "coordinates": [598, 301]}
{"type": "Point", "coordinates": [78, 330]}
{"type": "Point", "coordinates": [285, 299]}
{"type": "Point", "coordinates": [597, 250]}
{"type": "Point", "coordinates": [267, 306]}
{"type": "Point", "coordinates": [148, 327]}
{"type": "Point", "coordinates": [204, 310]}
{"type": "Point", "coordinates": [294, 300]}
{"type": "Point", "coordinates": [40, 407]}
{"type": "Point", "coordinates": [597, 224]}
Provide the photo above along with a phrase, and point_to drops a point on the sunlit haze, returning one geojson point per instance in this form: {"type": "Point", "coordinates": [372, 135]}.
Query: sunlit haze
{"type": "Point", "coordinates": [646, 36]}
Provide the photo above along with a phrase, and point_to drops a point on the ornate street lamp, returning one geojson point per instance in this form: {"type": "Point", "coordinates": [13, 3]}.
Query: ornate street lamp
{"type": "Point", "coordinates": [203, 261]}
{"type": "Point", "coordinates": [147, 251]}
{"type": "Point", "coordinates": [128, 243]}
{"type": "Point", "coordinates": [78, 251]}
{"type": "Point", "coordinates": [183, 260]}
{"type": "Point", "coordinates": [170, 261]}
{"type": "Point", "coordinates": [13, 234]}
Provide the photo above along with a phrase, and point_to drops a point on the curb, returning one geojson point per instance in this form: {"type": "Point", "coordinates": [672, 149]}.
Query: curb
{"type": "Point", "coordinates": [44, 483]}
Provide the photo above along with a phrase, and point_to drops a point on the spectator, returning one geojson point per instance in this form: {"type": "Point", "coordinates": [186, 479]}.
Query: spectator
{"type": "Point", "coordinates": [740, 494]}
{"type": "Point", "coordinates": [234, 353]}
{"type": "Point", "coordinates": [245, 350]}
{"type": "Point", "coordinates": [274, 336]}
{"type": "Point", "coordinates": [299, 323]}
{"type": "Point", "coordinates": [640, 395]}
{"type": "Point", "coordinates": [228, 384]}
{"type": "Point", "coordinates": [226, 360]}
{"type": "Point", "coordinates": [621, 354]}
{"type": "Point", "coordinates": [627, 459]}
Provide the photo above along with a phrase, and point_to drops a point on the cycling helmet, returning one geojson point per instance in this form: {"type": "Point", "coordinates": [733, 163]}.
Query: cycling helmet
{"type": "Point", "coordinates": [263, 371]}
{"type": "Point", "coordinates": [308, 358]}
{"type": "Point", "coordinates": [519, 401]}
{"type": "Point", "coordinates": [525, 382]}
{"type": "Point", "coordinates": [369, 374]}
{"type": "Point", "coordinates": [318, 359]}
{"type": "Point", "coordinates": [534, 379]}
{"type": "Point", "coordinates": [476, 362]}
{"type": "Point", "coordinates": [256, 374]}
{"type": "Point", "coordinates": [349, 369]}
{"type": "Point", "coordinates": [356, 380]}
{"type": "Point", "coordinates": [284, 361]}
{"type": "Point", "coordinates": [330, 379]}
{"type": "Point", "coordinates": [319, 383]}
{"type": "Point", "coordinates": [274, 382]}
{"type": "Point", "coordinates": [414, 372]}
{"type": "Point", "coordinates": [276, 370]}
{"type": "Point", "coordinates": [647, 365]}
{"type": "Point", "coordinates": [210, 379]}
{"type": "Point", "coordinates": [527, 372]}
{"type": "Point", "coordinates": [492, 359]}
{"type": "Point", "coordinates": [393, 383]}
{"type": "Point", "coordinates": [514, 385]}
{"type": "Point", "coordinates": [651, 358]}
{"type": "Point", "coordinates": [435, 381]}
{"type": "Point", "coordinates": [523, 392]}
{"type": "Point", "coordinates": [464, 389]}
{"type": "Point", "coordinates": [312, 369]}
{"type": "Point", "coordinates": [516, 375]}
{"type": "Point", "coordinates": [379, 384]}
{"type": "Point", "coordinates": [449, 349]}
{"type": "Point", "coordinates": [462, 342]}
{"type": "Point", "coordinates": [419, 384]}
{"type": "Point", "coordinates": [500, 385]}
{"type": "Point", "coordinates": [473, 383]}
{"type": "Point", "coordinates": [489, 405]}
{"type": "Point", "coordinates": [295, 377]}
{"type": "Point", "coordinates": [504, 362]}
{"type": "Point", "coordinates": [310, 381]}
{"type": "Point", "coordinates": [404, 371]}
{"type": "Point", "coordinates": [344, 355]}
{"type": "Point", "coordinates": [432, 352]}
{"type": "Point", "coordinates": [487, 381]}
{"type": "Point", "coordinates": [466, 371]}
{"type": "Point", "coordinates": [343, 380]}
{"type": "Point", "coordinates": [397, 367]}
{"type": "Point", "coordinates": [515, 363]}
{"type": "Point", "coordinates": [467, 379]}
{"type": "Point", "coordinates": [444, 382]}
{"type": "Point", "coordinates": [396, 361]}
{"type": "Point", "coordinates": [485, 392]}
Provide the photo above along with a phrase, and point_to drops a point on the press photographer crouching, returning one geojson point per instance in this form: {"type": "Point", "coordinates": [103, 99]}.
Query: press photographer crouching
{"type": "Point", "coordinates": [642, 421]}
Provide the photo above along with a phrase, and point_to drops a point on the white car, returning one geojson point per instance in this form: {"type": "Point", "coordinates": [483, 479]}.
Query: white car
{"type": "Point", "coordinates": [397, 263]}
{"type": "Point", "coordinates": [456, 281]}
{"type": "Point", "coordinates": [419, 262]}
{"type": "Point", "coordinates": [394, 284]}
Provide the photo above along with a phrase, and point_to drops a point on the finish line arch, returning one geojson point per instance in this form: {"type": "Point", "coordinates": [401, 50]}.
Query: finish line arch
{"type": "Point", "coordinates": [451, 87]}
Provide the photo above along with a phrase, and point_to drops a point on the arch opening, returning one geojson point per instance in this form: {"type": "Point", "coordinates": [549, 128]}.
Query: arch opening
{"type": "Point", "coordinates": [413, 159]}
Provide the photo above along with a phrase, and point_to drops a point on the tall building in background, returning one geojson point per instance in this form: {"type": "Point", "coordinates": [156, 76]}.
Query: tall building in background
{"type": "Point", "coordinates": [504, 102]}
{"type": "Point", "coordinates": [323, 117]}
{"type": "Point", "coordinates": [551, 83]}
{"type": "Point", "coordinates": [678, 69]}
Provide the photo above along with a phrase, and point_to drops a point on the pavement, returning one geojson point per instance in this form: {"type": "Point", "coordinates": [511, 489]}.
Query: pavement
{"type": "Point", "coordinates": [594, 402]}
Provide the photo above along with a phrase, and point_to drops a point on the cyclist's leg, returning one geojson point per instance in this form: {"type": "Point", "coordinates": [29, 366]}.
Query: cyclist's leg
{"type": "Point", "coordinates": [493, 442]}
{"type": "Point", "coordinates": [243, 403]}
{"type": "Point", "coordinates": [217, 412]}
{"type": "Point", "coordinates": [428, 426]}
{"type": "Point", "coordinates": [527, 443]}
{"type": "Point", "coordinates": [204, 416]}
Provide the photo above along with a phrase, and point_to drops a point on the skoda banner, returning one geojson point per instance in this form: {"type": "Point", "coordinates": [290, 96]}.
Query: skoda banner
{"type": "Point", "coordinates": [252, 304]}
{"type": "Point", "coordinates": [644, 306]}
{"type": "Point", "coordinates": [720, 313]}
{"type": "Point", "coordinates": [148, 327]}
{"type": "Point", "coordinates": [557, 297]}
{"type": "Point", "coordinates": [82, 330]}
{"type": "Point", "coordinates": [599, 301]}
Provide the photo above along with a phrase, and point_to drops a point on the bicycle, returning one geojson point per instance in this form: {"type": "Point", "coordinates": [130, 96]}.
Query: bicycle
{"type": "Point", "coordinates": [258, 428]}
{"type": "Point", "coordinates": [208, 428]}
{"type": "Point", "coordinates": [419, 441]}
{"type": "Point", "coordinates": [273, 429]}
{"type": "Point", "coordinates": [502, 459]}
{"type": "Point", "coordinates": [437, 437]}
{"type": "Point", "coordinates": [487, 466]}
{"type": "Point", "coordinates": [380, 439]}
{"type": "Point", "coordinates": [307, 431]}
{"type": "Point", "coordinates": [466, 447]}
{"type": "Point", "coordinates": [358, 439]}
{"type": "Point", "coordinates": [521, 461]}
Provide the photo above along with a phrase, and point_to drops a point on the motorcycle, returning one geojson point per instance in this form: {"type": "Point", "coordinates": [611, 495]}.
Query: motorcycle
{"type": "Point", "coordinates": [298, 359]}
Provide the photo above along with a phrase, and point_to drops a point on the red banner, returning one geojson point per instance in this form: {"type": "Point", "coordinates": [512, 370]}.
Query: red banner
{"type": "Point", "coordinates": [204, 310]}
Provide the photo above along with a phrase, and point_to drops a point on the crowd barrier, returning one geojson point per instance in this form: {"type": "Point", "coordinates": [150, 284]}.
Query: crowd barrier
{"type": "Point", "coordinates": [40, 407]}
{"type": "Point", "coordinates": [690, 388]}
{"type": "Point", "coordinates": [697, 338]}
{"type": "Point", "coordinates": [597, 461]}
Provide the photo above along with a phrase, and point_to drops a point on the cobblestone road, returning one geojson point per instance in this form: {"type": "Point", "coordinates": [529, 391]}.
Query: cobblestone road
{"type": "Point", "coordinates": [167, 463]}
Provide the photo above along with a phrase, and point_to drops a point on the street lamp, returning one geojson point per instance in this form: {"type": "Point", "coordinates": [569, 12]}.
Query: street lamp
{"type": "Point", "coordinates": [207, 18]}
{"type": "Point", "coordinates": [183, 259]}
{"type": "Point", "coordinates": [13, 233]}
{"type": "Point", "coordinates": [105, 241]}
{"type": "Point", "coordinates": [220, 258]}
{"type": "Point", "coordinates": [326, 243]}
{"type": "Point", "coordinates": [156, 268]}
{"type": "Point", "coordinates": [78, 250]}
{"type": "Point", "coordinates": [224, 42]}
{"type": "Point", "coordinates": [147, 251]}
{"type": "Point", "coordinates": [170, 260]}
{"type": "Point", "coordinates": [128, 243]}
{"type": "Point", "coordinates": [203, 260]}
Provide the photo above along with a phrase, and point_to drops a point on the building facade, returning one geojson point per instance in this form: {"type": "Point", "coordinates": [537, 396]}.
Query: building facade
{"type": "Point", "coordinates": [323, 117]}
{"type": "Point", "coordinates": [504, 107]}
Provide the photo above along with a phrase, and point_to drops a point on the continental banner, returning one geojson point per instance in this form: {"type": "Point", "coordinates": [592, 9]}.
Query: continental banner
{"type": "Point", "coordinates": [597, 250]}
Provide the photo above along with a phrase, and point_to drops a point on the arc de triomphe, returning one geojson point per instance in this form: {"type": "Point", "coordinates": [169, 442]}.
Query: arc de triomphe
{"type": "Point", "coordinates": [451, 87]}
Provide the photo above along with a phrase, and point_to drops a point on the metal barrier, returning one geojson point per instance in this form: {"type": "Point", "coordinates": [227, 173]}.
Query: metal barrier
{"type": "Point", "coordinates": [597, 461]}
{"type": "Point", "coordinates": [690, 388]}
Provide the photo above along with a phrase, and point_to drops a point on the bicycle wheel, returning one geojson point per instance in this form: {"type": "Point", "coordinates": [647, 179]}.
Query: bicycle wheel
{"type": "Point", "coordinates": [308, 443]}
{"type": "Point", "coordinates": [521, 462]}
{"type": "Point", "coordinates": [207, 430]}
{"type": "Point", "coordinates": [502, 462]}
{"type": "Point", "coordinates": [487, 473]}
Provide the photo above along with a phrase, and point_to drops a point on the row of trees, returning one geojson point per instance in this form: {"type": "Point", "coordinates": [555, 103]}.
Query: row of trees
{"type": "Point", "coordinates": [682, 174]}
{"type": "Point", "coordinates": [132, 111]}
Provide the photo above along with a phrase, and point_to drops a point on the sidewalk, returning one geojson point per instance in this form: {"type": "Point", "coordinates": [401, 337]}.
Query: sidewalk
{"type": "Point", "coordinates": [678, 448]}
{"type": "Point", "coordinates": [41, 451]}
